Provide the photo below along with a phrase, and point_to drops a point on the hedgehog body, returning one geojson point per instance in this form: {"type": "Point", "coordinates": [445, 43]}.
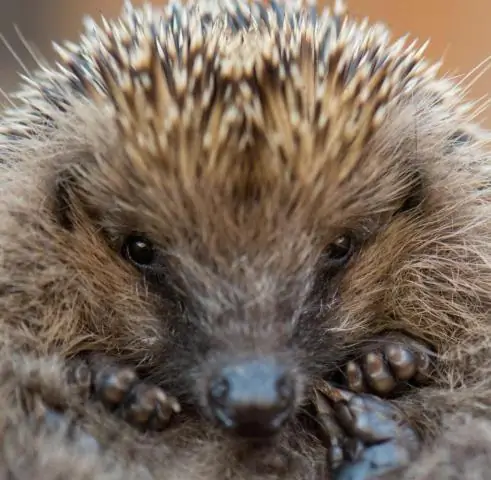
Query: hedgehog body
{"type": "Point", "coordinates": [195, 185]}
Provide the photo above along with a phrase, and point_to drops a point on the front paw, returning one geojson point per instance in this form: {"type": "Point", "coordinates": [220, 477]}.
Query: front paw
{"type": "Point", "coordinates": [368, 437]}
{"type": "Point", "coordinates": [119, 389]}
{"type": "Point", "coordinates": [387, 364]}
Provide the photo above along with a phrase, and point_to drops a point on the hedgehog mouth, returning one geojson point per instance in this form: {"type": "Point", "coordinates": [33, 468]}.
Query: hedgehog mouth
{"type": "Point", "coordinates": [255, 429]}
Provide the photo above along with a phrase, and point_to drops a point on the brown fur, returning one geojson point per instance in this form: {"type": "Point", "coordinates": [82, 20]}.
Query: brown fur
{"type": "Point", "coordinates": [243, 195]}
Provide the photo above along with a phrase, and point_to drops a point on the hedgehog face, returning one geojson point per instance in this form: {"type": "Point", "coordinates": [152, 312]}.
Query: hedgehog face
{"type": "Point", "coordinates": [239, 206]}
{"type": "Point", "coordinates": [238, 264]}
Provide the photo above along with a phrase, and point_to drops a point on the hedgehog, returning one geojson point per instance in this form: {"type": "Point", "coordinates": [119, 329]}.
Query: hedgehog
{"type": "Point", "coordinates": [255, 226]}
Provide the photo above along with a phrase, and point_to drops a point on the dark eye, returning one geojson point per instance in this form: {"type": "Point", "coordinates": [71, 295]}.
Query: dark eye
{"type": "Point", "coordinates": [139, 250]}
{"type": "Point", "coordinates": [340, 251]}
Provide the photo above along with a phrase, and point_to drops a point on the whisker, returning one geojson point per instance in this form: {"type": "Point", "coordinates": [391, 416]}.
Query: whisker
{"type": "Point", "coordinates": [485, 65]}
{"type": "Point", "coordinates": [36, 56]}
{"type": "Point", "coordinates": [14, 54]}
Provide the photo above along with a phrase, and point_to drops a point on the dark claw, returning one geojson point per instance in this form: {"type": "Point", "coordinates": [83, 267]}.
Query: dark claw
{"type": "Point", "coordinates": [79, 374]}
{"type": "Point", "coordinates": [138, 405]}
{"type": "Point", "coordinates": [333, 433]}
{"type": "Point", "coordinates": [148, 407]}
{"type": "Point", "coordinates": [112, 384]}
{"type": "Point", "coordinates": [354, 375]}
{"type": "Point", "coordinates": [378, 375]}
{"type": "Point", "coordinates": [402, 361]}
{"type": "Point", "coordinates": [375, 438]}
{"type": "Point", "coordinates": [423, 367]}
{"type": "Point", "coordinates": [165, 407]}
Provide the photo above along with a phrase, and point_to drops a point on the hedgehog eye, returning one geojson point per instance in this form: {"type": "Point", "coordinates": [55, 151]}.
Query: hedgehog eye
{"type": "Point", "coordinates": [340, 251]}
{"type": "Point", "coordinates": [139, 250]}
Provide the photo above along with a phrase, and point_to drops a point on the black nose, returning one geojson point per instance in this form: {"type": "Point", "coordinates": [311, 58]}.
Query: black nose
{"type": "Point", "coordinates": [253, 398]}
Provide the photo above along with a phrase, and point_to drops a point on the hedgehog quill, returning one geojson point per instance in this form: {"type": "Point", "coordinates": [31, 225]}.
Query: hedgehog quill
{"type": "Point", "coordinates": [225, 225]}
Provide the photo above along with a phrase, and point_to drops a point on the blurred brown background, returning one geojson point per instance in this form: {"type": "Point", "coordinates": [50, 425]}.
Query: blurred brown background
{"type": "Point", "coordinates": [459, 30]}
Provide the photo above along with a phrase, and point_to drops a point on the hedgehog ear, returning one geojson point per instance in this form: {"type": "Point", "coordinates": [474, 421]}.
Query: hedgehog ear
{"type": "Point", "coordinates": [63, 199]}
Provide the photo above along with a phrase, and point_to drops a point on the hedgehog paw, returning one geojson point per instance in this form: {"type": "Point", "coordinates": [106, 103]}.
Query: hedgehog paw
{"type": "Point", "coordinates": [368, 437]}
{"type": "Point", "coordinates": [143, 406]}
{"type": "Point", "coordinates": [391, 363]}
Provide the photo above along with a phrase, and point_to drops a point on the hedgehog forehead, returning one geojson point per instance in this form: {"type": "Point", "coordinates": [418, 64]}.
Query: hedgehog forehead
{"type": "Point", "coordinates": [244, 206]}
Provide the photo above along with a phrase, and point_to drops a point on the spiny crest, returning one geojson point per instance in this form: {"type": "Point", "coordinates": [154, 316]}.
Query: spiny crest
{"type": "Point", "coordinates": [235, 70]}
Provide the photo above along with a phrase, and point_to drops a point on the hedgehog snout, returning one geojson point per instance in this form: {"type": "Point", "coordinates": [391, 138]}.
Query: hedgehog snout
{"type": "Point", "coordinates": [252, 398]}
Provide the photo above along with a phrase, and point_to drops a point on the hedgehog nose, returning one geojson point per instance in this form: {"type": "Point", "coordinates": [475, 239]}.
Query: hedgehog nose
{"type": "Point", "coordinates": [253, 398]}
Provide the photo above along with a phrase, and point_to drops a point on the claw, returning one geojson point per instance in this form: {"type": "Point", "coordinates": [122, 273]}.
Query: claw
{"type": "Point", "coordinates": [138, 405]}
{"type": "Point", "coordinates": [402, 361]}
{"type": "Point", "coordinates": [80, 377]}
{"type": "Point", "coordinates": [112, 384]}
{"type": "Point", "coordinates": [149, 406]}
{"type": "Point", "coordinates": [379, 377]}
{"type": "Point", "coordinates": [354, 376]}
{"type": "Point", "coordinates": [334, 394]}
{"type": "Point", "coordinates": [332, 431]}
{"type": "Point", "coordinates": [164, 409]}
{"type": "Point", "coordinates": [423, 367]}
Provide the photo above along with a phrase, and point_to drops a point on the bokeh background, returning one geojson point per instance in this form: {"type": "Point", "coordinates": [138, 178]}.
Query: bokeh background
{"type": "Point", "coordinates": [460, 30]}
